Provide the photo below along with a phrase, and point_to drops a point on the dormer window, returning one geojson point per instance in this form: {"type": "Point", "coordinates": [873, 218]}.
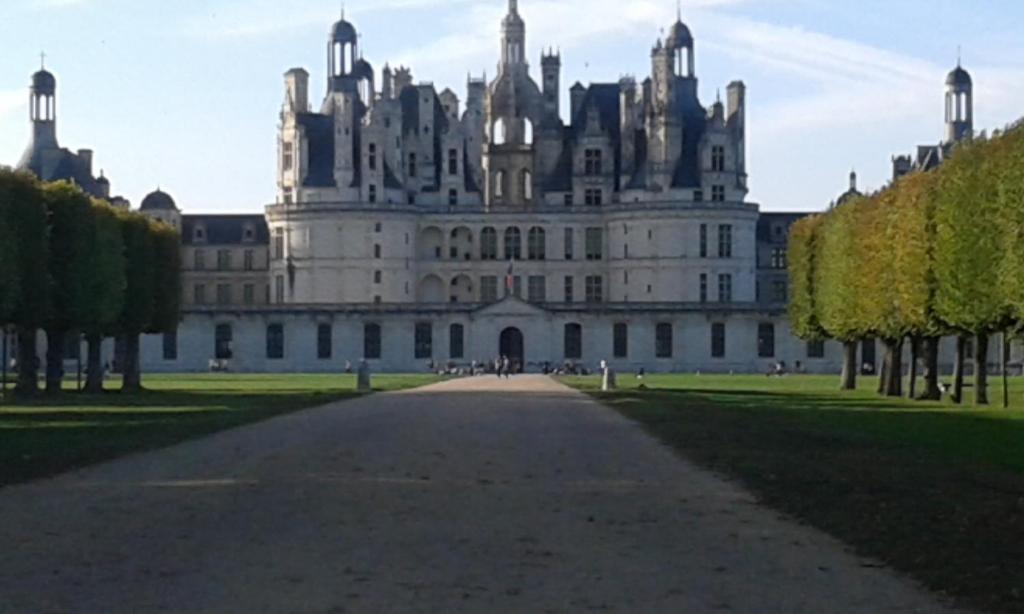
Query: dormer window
{"type": "Point", "coordinates": [199, 234]}
{"type": "Point", "coordinates": [248, 234]}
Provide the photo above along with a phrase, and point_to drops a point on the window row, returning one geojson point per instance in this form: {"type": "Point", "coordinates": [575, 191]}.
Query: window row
{"type": "Point", "coordinates": [536, 244]}
{"type": "Point", "coordinates": [724, 241]}
{"type": "Point", "coordinates": [224, 260]}
{"type": "Point", "coordinates": [225, 294]}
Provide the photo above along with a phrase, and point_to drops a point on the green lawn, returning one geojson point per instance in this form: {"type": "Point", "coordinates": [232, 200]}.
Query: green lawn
{"type": "Point", "coordinates": [49, 436]}
{"type": "Point", "coordinates": [934, 490]}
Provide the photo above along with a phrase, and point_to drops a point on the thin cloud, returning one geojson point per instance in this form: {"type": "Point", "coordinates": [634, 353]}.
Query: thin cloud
{"type": "Point", "coordinates": [12, 101]}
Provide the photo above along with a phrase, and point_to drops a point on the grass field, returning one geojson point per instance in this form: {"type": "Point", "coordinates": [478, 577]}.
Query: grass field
{"type": "Point", "coordinates": [49, 436]}
{"type": "Point", "coordinates": [934, 490]}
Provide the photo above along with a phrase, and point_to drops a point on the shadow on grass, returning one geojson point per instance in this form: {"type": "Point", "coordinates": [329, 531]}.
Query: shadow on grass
{"type": "Point", "coordinates": [934, 491]}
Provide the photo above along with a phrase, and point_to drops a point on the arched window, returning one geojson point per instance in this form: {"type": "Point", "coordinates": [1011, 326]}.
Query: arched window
{"type": "Point", "coordinates": [499, 184]}
{"type": "Point", "coordinates": [498, 132]}
{"type": "Point", "coordinates": [528, 131]}
{"type": "Point", "coordinates": [527, 185]}
{"type": "Point", "coordinates": [573, 342]}
{"type": "Point", "coordinates": [489, 244]}
{"type": "Point", "coordinates": [536, 244]}
{"type": "Point", "coordinates": [513, 244]}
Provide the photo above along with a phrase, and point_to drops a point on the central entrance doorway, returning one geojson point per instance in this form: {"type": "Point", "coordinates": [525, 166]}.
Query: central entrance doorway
{"type": "Point", "coordinates": [511, 345]}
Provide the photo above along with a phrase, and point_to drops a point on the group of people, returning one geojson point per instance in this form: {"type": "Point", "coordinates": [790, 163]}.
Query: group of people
{"type": "Point", "coordinates": [505, 367]}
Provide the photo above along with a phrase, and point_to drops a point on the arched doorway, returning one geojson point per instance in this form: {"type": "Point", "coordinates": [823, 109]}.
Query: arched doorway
{"type": "Point", "coordinates": [511, 345]}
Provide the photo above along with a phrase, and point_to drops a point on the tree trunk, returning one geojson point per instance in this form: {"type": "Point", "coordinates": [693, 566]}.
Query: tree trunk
{"type": "Point", "coordinates": [55, 361]}
{"type": "Point", "coordinates": [958, 370]}
{"type": "Point", "coordinates": [132, 377]}
{"type": "Point", "coordinates": [883, 372]}
{"type": "Point", "coordinates": [931, 370]}
{"type": "Point", "coordinates": [981, 370]}
{"type": "Point", "coordinates": [849, 376]}
{"type": "Point", "coordinates": [94, 365]}
{"type": "Point", "coordinates": [915, 350]}
{"type": "Point", "coordinates": [28, 363]}
{"type": "Point", "coordinates": [895, 382]}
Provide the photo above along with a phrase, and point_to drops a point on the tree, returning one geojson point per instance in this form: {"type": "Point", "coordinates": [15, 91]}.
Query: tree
{"type": "Point", "coordinates": [139, 304]}
{"type": "Point", "coordinates": [9, 278]}
{"type": "Point", "coordinates": [838, 303]}
{"type": "Point", "coordinates": [167, 289]}
{"type": "Point", "coordinates": [911, 248]}
{"type": "Point", "coordinates": [967, 254]}
{"type": "Point", "coordinates": [107, 289]}
{"type": "Point", "coordinates": [27, 223]}
{"type": "Point", "coordinates": [72, 243]}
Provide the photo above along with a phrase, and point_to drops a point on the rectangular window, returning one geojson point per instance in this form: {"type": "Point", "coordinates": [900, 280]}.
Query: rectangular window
{"type": "Point", "coordinates": [456, 342]}
{"type": "Point", "coordinates": [372, 193]}
{"type": "Point", "coordinates": [703, 240]}
{"type": "Point", "coordinates": [223, 294]}
{"type": "Point", "coordinates": [594, 289]}
{"type": "Point", "coordinates": [249, 294]}
{"type": "Point", "coordinates": [816, 349]}
{"type": "Point", "coordinates": [725, 241]}
{"type": "Point", "coordinates": [279, 244]}
{"type": "Point", "coordinates": [620, 340]}
{"type": "Point", "coordinates": [718, 340]}
{"type": "Point", "coordinates": [287, 156]}
{"type": "Point", "coordinates": [371, 158]}
{"type": "Point", "coordinates": [570, 248]}
{"type": "Point", "coordinates": [324, 341]}
{"type": "Point", "coordinates": [593, 197]}
{"type": "Point", "coordinates": [592, 162]}
{"type": "Point", "coordinates": [377, 251]}
{"type": "Point", "coordinates": [718, 159]}
{"type": "Point", "coordinates": [718, 193]}
{"type": "Point", "coordinates": [570, 295]}
{"type": "Point", "coordinates": [778, 258]}
{"type": "Point", "coordinates": [766, 340]}
{"type": "Point", "coordinates": [222, 339]}
{"type": "Point", "coordinates": [489, 289]}
{"type": "Point", "coordinates": [779, 291]}
{"type": "Point", "coordinates": [371, 341]}
{"type": "Point", "coordinates": [567, 199]}
{"type": "Point", "coordinates": [223, 260]}
{"type": "Point", "coordinates": [595, 243]}
{"type": "Point", "coordinates": [424, 340]}
{"type": "Point", "coordinates": [536, 290]}
{"type": "Point", "coordinates": [171, 346]}
{"type": "Point", "coordinates": [199, 258]}
{"type": "Point", "coordinates": [279, 289]}
{"type": "Point", "coordinates": [703, 287]}
{"type": "Point", "coordinates": [663, 340]}
{"type": "Point", "coordinates": [453, 197]}
{"type": "Point", "coordinates": [249, 260]}
{"type": "Point", "coordinates": [573, 342]}
{"type": "Point", "coordinates": [517, 286]}
{"type": "Point", "coordinates": [275, 342]}
{"type": "Point", "coordinates": [412, 165]}
{"type": "Point", "coordinates": [199, 294]}
{"type": "Point", "coordinates": [725, 288]}
{"type": "Point", "coordinates": [698, 196]}
{"type": "Point", "coordinates": [453, 161]}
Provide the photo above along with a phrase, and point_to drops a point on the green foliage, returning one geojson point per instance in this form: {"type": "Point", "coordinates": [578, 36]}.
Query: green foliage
{"type": "Point", "coordinates": [167, 260]}
{"type": "Point", "coordinates": [107, 280]}
{"type": "Point", "coordinates": [803, 309]}
{"type": "Point", "coordinates": [836, 275]}
{"type": "Point", "coordinates": [910, 249]}
{"type": "Point", "coordinates": [967, 252]}
{"type": "Point", "coordinates": [25, 213]}
{"type": "Point", "coordinates": [140, 280]}
{"type": "Point", "coordinates": [72, 243]}
{"type": "Point", "coordinates": [9, 278]}
{"type": "Point", "coordinates": [1008, 171]}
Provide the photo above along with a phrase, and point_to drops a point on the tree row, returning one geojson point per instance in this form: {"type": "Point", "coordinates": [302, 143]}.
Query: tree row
{"type": "Point", "coordinates": [935, 254]}
{"type": "Point", "coordinates": [72, 265]}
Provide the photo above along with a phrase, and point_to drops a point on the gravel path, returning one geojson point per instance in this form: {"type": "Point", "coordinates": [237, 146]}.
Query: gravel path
{"type": "Point", "coordinates": [467, 496]}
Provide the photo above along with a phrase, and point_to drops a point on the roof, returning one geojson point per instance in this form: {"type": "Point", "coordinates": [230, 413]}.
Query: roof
{"type": "Point", "coordinates": [225, 229]}
{"type": "Point", "coordinates": [344, 32]}
{"type": "Point", "coordinates": [319, 132]}
{"type": "Point", "coordinates": [43, 82]}
{"type": "Point", "coordinates": [679, 36]}
{"type": "Point", "coordinates": [50, 163]}
{"type": "Point", "coordinates": [158, 201]}
{"type": "Point", "coordinates": [767, 221]}
{"type": "Point", "coordinates": [959, 77]}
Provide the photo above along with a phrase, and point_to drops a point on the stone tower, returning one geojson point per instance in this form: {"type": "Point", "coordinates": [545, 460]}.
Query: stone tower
{"type": "Point", "coordinates": [959, 105]}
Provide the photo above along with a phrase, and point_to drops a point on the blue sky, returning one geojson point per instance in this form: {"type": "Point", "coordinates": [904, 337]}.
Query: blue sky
{"type": "Point", "coordinates": [185, 94]}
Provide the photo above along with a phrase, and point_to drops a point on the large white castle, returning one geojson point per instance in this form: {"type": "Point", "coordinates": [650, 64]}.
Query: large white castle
{"type": "Point", "coordinates": [411, 229]}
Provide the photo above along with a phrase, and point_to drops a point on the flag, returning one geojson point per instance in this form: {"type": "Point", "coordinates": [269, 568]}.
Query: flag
{"type": "Point", "coordinates": [510, 276]}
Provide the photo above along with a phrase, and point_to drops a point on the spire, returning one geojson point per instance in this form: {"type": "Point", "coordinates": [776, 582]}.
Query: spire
{"type": "Point", "coordinates": [679, 10]}
{"type": "Point", "coordinates": [853, 180]}
{"type": "Point", "coordinates": [42, 60]}
{"type": "Point", "coordinates": [513, 7]}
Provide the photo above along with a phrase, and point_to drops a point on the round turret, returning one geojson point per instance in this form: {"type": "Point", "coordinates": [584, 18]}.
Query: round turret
{"type": "Point", "coordinates": [344, 32]}
{"type": "Point", "coordinates": [679, 36]}
{"type": "Point", "coordinates": [959, 78]}
{"type": "Point", "coordinates": [43, 82]}
{"type": "Point", "coordinates": [158, 201]}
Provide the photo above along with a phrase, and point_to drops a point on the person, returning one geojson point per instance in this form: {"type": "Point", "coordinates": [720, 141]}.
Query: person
{"type": "Point", "coordinates": [348, 366]}
{"type": "Point", "coordinates": [506, 366]}
{"type": "Point", "coordinates": [498, 363]}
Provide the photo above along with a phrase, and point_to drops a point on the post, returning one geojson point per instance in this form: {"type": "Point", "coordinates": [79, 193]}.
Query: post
{"type": "Point", "coordinates": [78, 378]}
{"type": "Point", "coordinates": [1005, 358]}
